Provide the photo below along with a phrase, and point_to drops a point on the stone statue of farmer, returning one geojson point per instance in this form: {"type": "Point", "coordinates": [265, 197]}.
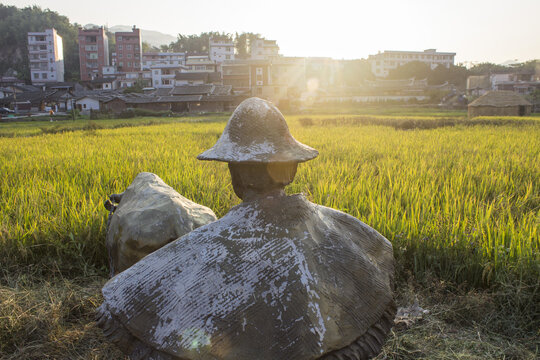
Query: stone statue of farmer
{"type": "Point", "coordinates": [277, 278]}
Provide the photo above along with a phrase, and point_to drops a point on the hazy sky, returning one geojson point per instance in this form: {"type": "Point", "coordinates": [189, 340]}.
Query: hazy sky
{"type": "Point", "coordinates": [477, 30]}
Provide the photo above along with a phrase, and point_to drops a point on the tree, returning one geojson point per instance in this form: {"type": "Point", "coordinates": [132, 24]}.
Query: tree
{"type": "Point", "coordinates": [16, 23]}
{"type": "Point", "coordinates": [146, 47]}
{"type": "Point", "coordinates": [414, 69]}
{"type": "Point", "coordinates": [196, 43]}
{"type": "Point", "coordinates": [455, 75]}
{"type": "Point", "coordinates": [242, 44]}
{"type": "Point", "coordinates": [490, 68]}
{"type": "Point", "coordinates": [356, 71]}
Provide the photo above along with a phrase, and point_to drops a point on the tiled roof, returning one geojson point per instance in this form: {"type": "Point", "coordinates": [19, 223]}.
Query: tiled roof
{"type": "Point", "coordinates": [500, 99]}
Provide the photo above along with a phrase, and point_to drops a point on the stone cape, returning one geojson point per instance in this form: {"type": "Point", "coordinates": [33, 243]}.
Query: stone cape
{"type": "Point", "coordinates": [275, 278]}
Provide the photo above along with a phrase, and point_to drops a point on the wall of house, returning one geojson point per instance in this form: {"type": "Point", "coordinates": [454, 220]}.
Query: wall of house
{"type": "Point", "coordinates": [475, 111]}
{"type": "Point", "coordinates": [87, 104]}
{"type": "Point", "coordinates": [207, 106]}
{"type": "Point", "coordinates": [153, 106]}
{"type": "Point", "coordinates": [116, 106]}
{"type": "Point", "coordinates": [188, 82]}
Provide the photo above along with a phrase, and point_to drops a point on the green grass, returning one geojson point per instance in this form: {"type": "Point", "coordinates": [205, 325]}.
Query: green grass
{"type": "Point", "coordinates": [39, 127]}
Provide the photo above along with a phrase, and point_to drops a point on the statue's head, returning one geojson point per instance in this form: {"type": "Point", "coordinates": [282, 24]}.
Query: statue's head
{"type": "Point", "coordinates": [260, 150]}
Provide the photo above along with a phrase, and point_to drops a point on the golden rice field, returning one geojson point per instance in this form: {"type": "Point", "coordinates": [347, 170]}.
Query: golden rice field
{"type": "Point", "coordinates": [461, 202]}
{"type": "Point", "coordinates": [458, 198]}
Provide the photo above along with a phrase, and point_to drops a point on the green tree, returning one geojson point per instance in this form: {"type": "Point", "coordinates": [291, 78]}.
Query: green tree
{"type": "Point", "coordinates": [16, 23]}
{"type": "Point", "coordinates": [490, 68]}
{"type": "Point", "coordinates": [242, 43]}
{"type": "Point", "coordinates": [416, 69]}
{"type": "Point", "coordinates": [455, 75]}
{"type": "Point", "coordinates": [356, 71]}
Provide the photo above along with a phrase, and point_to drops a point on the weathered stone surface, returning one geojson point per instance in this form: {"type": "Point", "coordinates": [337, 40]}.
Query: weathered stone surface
{"type": "Point", "coordinates": [150, 215]}
{"type": "Point", "coordinates": [263, 138]}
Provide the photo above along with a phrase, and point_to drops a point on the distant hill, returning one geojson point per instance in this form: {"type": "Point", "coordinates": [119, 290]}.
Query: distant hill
{"type": "Point", "coordinates": [154, 38]}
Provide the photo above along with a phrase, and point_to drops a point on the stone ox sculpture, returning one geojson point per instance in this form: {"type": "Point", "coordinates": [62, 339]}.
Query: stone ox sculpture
{"type": "Point", "coordinates": [150, 214]}
{"type": "Point", "coordinates": [278, 277]}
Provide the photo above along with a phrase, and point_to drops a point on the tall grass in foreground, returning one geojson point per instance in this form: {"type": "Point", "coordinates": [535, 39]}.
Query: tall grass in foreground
{"type": "Point", "coordinates": [460, 202]}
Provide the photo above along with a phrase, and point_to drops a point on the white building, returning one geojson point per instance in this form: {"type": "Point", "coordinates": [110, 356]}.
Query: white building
{"type": "Point", "coordinates": [162, 58]}
{"type": "Point", "coordinates": [46, 55]}
{"type": "Point", "coordinates": [221, 49]}
{"type": "Point", "coordinates": [199, 63]}
{"type": "Point", "coordinates": [109, 71]}
{"type": "Point", "coordinates": [163, 75]}
{"type": "Point", "coordinates": [87, 103]}
{"type": "Point", "coordinates": [262, 49]}
{"type": "Point", "coordinates": [382, 63]}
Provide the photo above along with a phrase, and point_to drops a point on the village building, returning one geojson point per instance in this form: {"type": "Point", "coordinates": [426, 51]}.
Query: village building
{"type": "Point", "coordinates": [128, 54]}
{"type": "Point", "coordinates": [383, 63]}
{"type": "Point", "coordinates": [236, 74]}
{"type": "Point", "coordinates": [197, 78]}
{"type": "Point", "coordinates": [93, 53]}
{"type": "Point", "coordinates": [88, 103]}
{"type": "Point", "coordinates": [478, 85]}
{"type": "Point", "coordinates": [199, 63]}
{"type": "Point", "coordinates": [189, 98]}
{"type": "Point", "coordinates": [221, 48]}
{"type": "Point", "coordinates": [163, 76]}
{"type": "Point", "coordinates": [262, 49]}
{"type": "Point", "coordinates": [500, 103]}
{"type": "Point", "coordinates": [520, 82]}
{"type": "Point", "coordinates": [162, 58]}
{"type": "Point", "coordinates": [278, 80]}
{"type": "Point", "coordinates": [46, 56]}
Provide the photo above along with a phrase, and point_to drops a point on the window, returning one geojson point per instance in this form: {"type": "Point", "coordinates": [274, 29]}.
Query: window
{"type": "Point", "coordinates": [227, 57]}
{"type": "Point", "coordinates": [128, 64]}
{"type": "Point", "coordinates": [44, 76]}
{"type": "Point", "coordinates": [119, 38]}
{"type": "Point", "coordinates": [42, 47]}
{"type": "Point", "coordinates": [128, 47]}
{"type": "Point", "coordinates": [259, 71]}
{"type": "Point", "coordinates": [129, 56]}
{"type": "Point", "coordinates": [36, 75]}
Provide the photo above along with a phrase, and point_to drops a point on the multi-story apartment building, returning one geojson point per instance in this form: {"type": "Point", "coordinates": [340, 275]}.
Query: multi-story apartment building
{"type": "Point", "coordinates": [162, 58]}
{"type": "Point", "coordinates": [275, 80]}
{"type": "Point", "coordinates": [382, 63]}
{"type": "Point", "coordinates": [262, 49]}
{"type": "Point", "coordinates": [128, 54]}
{"type": "Point", "coordinates": [46, 55]}
{"type": "Point", "coordinates": [221, 48]}
{"type": "Point", "coordinates": [93, 53]}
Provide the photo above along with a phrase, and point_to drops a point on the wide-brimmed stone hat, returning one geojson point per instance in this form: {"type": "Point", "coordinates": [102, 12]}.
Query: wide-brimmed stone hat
{"type": "Point", "coordinates": [257, 132]}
